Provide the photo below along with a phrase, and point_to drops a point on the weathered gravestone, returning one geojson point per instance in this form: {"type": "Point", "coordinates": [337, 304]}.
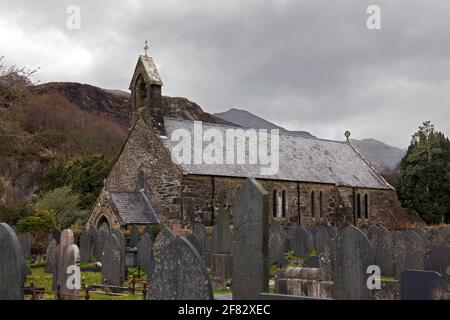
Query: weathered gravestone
{"type": "Point", "coordinates": [383, 249]}
{"type": "Point", "coordinates": [12, 262]}
{"type": "Point", "coordinates": [134, 236]}
{"type": "Point", "coordinates": [26, 243]}
{"type": "Point", "coordinates": [441, 288]}
{"type": "Point", "coordinates": [401, 248]}
{"type": "Point", "coordinates": [199, 230]}
{"type": "Point", "coordinates": [67, 260]}
{"type": "Point", "coordinates": [321, 239]}
{"type": "Point", "coordinates": [220, 260]}
{"type": "Point", "coordinates": [123, 244]}
{"type": "Point", "coordinates": [112, 262]}
{"type": "Point", "coordinates": [192, 238]}
{"type": "Point", "coordinates": [85, 248]}
{"type": "Point", "coordinates": [102, 236]}
{"type": "Point", "coordinates": [164, 238]}
{"type": "Point", "coordinates": [276, 243]}
{"type": "Point", "coordinates": [416, 252]}
{"type": "Point", "coordinates": [353, 255]}
{"type": "Point", "coordinates": [93, 235]}
{"type": "Point", "coordinates": [149, 229]}
{"type": "Point", "coordinates": [303, 241]}
{"type": "Point", "coordinates": [50, 262]}
{"type": "Point", "coordinates": [439, 259]}
{"type": "Point", "coordinates": [144, 255]}
{"type": "Point", "coordinates": [418, 284]}
{"type": "Point", "coordinates": [250, 242]}
{"type": "Point", "coordinates": [180, 274]}
{"type": "Point", "coordinates": [435, 238]}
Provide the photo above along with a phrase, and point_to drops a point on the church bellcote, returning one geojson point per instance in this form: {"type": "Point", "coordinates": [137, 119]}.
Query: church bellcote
{"type": "Point", "coordinates": [145, 89]}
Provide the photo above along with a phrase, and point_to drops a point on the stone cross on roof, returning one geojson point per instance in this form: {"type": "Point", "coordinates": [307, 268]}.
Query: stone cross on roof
{"type": "Point", "coordinates": [146, 47]}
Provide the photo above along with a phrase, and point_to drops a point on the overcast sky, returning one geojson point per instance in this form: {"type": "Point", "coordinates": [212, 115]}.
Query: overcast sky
{"type": "Point", "coordinates": [305, 65]}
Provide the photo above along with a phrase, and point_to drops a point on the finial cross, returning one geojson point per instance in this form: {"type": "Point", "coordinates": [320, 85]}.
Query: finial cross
{"type": "Point", "coordinates": [146, 47]}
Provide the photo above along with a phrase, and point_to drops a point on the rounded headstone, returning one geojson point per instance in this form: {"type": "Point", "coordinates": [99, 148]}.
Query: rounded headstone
{"type": "Point", "coordinates": [180, 274]}
{"type": "Point", "coordinates": [12, 262]}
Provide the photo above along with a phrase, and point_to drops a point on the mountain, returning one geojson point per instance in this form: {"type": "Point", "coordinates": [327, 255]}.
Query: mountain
{"type": "Point", "coordinates": [382, 156]}
{"type": "Point", "coordinates": [246, 119]}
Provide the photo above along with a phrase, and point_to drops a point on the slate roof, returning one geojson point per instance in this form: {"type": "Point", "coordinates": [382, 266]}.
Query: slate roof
{"type": "Point", "coordinates": [300, 159]}
{"type": "Point", "coordinates": [132, 207]}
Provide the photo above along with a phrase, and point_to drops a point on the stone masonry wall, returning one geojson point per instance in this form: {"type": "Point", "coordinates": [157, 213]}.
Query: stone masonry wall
{"type": "Point", "coordinates": [145, 151]}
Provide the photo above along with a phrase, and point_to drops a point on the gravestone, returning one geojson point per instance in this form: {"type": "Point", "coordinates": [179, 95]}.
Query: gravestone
{"type": "Point", "coordinates": [149, 229]}
{"type": "Point", "coordinates": [401, 248]}
{"type": "Point", "coordinates": [353, 255]}
{"type": "Point", "coordinates": [112, 262]}
{"type": "Point", "coordinates": [321, 239]}
{"type": "Point", "coordinates": [134, 236]}
{"type": "Point", "coordinates": [85, 248]}
{"type": "Point", "coordinates": [439, 259]}
{"type": "Point", "coordinates": [276, 243]}
{"type": "Point", "coordinates": [435, 238]}
{"type": "Point", "coordinates": [441, 288]}
{"type": "Point", "coordinates": [312, 262]}
{"type": "Point", "coordinates": [192, 238]}
{"type": "Point", "coordinates": [418, 284]}
{"type": "Point", "coordinates": [102, 236]}
{"type": "Point", "coordinates": [12, 262]}
{"type": "Point", "coordinates": [221, 237]}
{"type": "Point", "coordinates": [93, 235]}
{"type": "Point", "coordinates": [180, 274]}
{"type": "Point", "coordinates": [67, 256]}
{"type": "Point", "coordinates": [383, 249]}
{"type": "Point", "coordinates": [50, 263]}
{"type": "Point", "coordinates": [26, 243]}
{"type": "Point", "coordinates": [164, 238]}
{"type": "Point", "coordinates": [123, 244]}
{"type": "Point", "coordinates": [327, 261]}
{"type": "Point", "coordinates": [144, 255]}
{"type": "Point", "coordinates": [416, 251]}
{"type": "Point", "coordinates": [303, 242]}
{"type": "Point", "coordinates": [332, 231]}
{"type": "Point", "coordinates": [199, 230]}
{"type": "Point", "coordinates": [220, 260]}
{"type": "Point", "coordinates": [250, 242]}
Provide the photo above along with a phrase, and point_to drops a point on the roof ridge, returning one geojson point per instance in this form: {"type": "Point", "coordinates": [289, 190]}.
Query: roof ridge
{"type": "Point", "coordinates": [238, 127]}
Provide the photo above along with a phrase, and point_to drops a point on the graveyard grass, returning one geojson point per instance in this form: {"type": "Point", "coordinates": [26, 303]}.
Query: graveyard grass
{"type": "Point", "coordinates": [44, 280]}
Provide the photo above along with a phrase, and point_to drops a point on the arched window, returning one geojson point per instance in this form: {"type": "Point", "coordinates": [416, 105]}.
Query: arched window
{"type": "Point", "coordinates": [366, 206]}
{"type": "Point", "coordinates": [358, 206]}
{"type": "Point", "coordinates": [274, 203]}
{"type": "Point", "coordinates": [283, 203]}
{"type": "Point", "coordinates": [313, 204]}
{"type": "Point", "coordinates": [321, 204]}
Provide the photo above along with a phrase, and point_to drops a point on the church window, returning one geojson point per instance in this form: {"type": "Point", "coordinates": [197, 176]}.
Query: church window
{"type": "Point", "coordinates": [358, 206]}
{"type": "Point", "coordinates": [321, 204]}
{"type": "Point", "coordinates": [283, 203]}
{"type": "Point", "coordinates": [274, 203]}
{"type": "Point", "coordinates": [313, 204]}
{"type": "Point", "coordinates": [366, 206]}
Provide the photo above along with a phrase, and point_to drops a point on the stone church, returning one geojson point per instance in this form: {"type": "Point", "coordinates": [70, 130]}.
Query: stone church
{"type": "Point", "coordinates": [319, 182]}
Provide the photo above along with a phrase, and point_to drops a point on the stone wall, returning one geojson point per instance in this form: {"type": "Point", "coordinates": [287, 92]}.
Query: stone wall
{"type": "Point", "coordinates": [199, 197]}
{"type": "Point", "coordinates": [145, 152]}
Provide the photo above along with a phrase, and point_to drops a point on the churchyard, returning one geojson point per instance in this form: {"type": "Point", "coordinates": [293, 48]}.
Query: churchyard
{"type": "Point", "coordinates": [246, 255]}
